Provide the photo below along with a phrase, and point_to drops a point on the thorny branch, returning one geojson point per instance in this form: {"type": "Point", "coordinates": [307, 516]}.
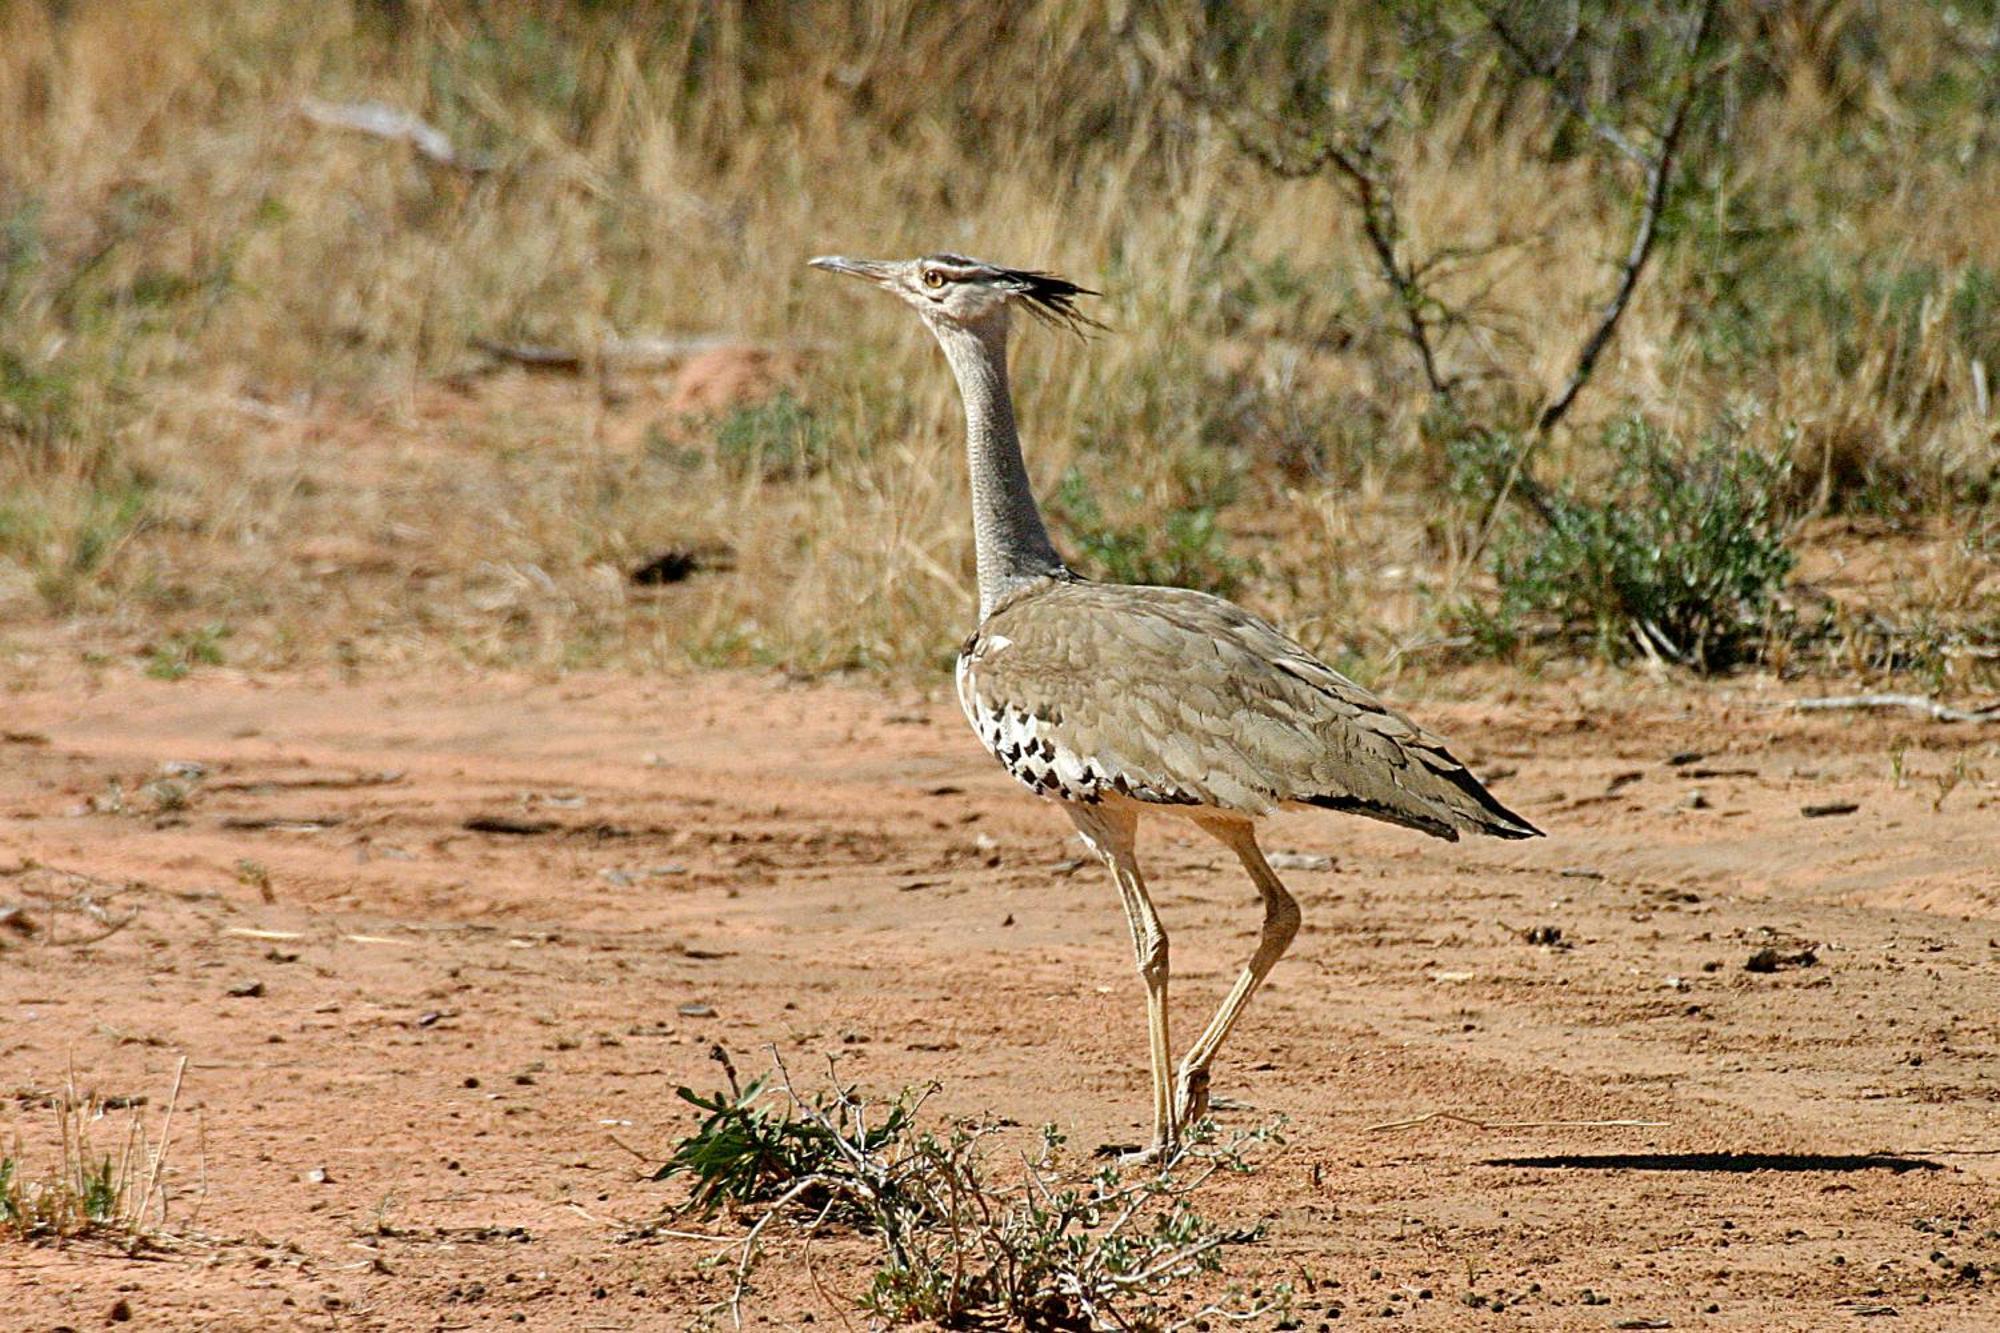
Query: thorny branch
{"type": "Point", "coordinates": [1545, 70]}
{"type": "Point", "coordinates": [1358, 166]}
{"type": "Point", "coordinates": [1659, 186]}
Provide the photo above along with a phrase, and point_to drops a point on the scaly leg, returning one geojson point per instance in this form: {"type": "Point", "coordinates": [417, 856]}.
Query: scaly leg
{"type": "Point", "coordinates": [1112, 834]}
{"type": "Point", "coordinates": [1281, 923]}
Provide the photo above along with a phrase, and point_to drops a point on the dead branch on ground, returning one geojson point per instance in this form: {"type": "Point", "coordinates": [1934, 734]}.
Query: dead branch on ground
{"type": "Point", "coordinates": [1456, 1118]}
{"type": "Point", "coordinates": [82, 897]}
{"type": "Point", "coordinates": [379, 120]}
{"type": "Point", "coordinates": [1913, 703]}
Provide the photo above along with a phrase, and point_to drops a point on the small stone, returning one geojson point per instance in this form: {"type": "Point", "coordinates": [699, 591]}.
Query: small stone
{"type": "Point", "coordinates": [1770, 960]}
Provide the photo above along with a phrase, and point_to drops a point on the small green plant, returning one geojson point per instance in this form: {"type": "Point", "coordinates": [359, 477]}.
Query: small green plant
{"type": "Point", "coordinates": [181, 653]}
{"type": "Point", "coordinates": [961, 1246]}
{"type": "Point", "coordinates": [67, 532]}
{"type": "Point", "coordinates": [748, 1150]}
{"type": "Point", "coordinates": [1681, 555]}
{"type": "Point", "coordinates": [1186, 549]}
{"type": "Point", "coordinates": [777, 438]}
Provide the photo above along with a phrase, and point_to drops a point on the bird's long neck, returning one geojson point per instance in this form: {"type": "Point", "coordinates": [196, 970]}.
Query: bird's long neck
{"type": "Point", "coordinates": [1009, 540]}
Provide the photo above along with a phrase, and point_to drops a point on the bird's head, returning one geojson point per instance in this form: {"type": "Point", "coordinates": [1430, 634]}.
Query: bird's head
{"type": "Point", "coordinates": [952, 291]}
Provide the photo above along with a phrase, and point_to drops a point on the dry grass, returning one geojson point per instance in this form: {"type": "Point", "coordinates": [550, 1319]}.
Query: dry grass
{"type": "Point", "coordinates": [239, 387]}
{"type": "Point", "coordinates": [86, 1189]}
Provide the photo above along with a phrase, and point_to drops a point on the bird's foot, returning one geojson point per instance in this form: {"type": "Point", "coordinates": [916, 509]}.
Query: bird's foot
{"type": "Point", "coordinates": [1126, 1156]}
{"type": "Point", "coordinates": [1190, 1097]}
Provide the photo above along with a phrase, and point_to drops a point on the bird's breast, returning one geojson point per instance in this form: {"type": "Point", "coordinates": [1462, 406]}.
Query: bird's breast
{"type": "Point", "coordinates": [1028, 741]}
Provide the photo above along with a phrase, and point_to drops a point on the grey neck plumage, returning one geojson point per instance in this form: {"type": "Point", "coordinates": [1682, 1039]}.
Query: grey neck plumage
{"type": "Point", "coordinates": [1010, 543]}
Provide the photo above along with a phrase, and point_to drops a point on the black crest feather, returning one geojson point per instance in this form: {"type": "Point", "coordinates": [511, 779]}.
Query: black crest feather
{"type": "Point", "coordinates": [1050, 299]}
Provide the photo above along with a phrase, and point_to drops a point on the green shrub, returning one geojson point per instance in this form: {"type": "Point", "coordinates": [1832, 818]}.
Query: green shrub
{"type": "Point", "coordinates": [1184, 549]}
{"type": "Point", "coordinates": [181, 653]}
{"type": "Point", "coordinates": [961, 1242]}
{"type": "Point", "coordinates": [1682, 553]}
{"type": "Point", "coordinates": [779, 437]}
{"type": "Point", "coordinates": [749, 1149]}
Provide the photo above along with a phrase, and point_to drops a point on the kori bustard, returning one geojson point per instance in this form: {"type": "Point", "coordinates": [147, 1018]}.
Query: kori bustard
{"type": "Point", "coordinates": [1120, 701]}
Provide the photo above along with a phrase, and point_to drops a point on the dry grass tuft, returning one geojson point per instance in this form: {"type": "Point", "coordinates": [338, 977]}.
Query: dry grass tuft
{"type": "Point", "coordinates": [89, 1191]}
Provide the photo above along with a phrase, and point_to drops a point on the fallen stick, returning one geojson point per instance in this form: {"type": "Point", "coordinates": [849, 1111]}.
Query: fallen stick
{"type": "Point", "coordinates": [381, 121]}
{"type": "Point", "coordinates": [637, 354]}
{"type": "Point", "coordinates": [621, 353]}
{"type": "Point", "coordinates": [1456, 1118]}
{"type": "Point", "coordinates": [1915, 703]}
{"type": "Point", "coordinates": [334, 781]}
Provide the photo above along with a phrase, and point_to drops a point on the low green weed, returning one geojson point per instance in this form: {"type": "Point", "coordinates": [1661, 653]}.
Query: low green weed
{"type": "Point", "coordinates": [1186, 548]}
{"type": "Point", "coordinates": [960, 1244]}
{"type": "Point", "coordinates": [777, 438]}
{"type": "Point", "coordinates": [178, 654]}
{"type": "Point", "coordinates": [86, 1191]}
{"type": "Point", "coordinates": [1680, 554]}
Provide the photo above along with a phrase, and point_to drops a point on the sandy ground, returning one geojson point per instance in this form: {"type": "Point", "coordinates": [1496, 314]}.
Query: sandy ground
{"type": "Point", "coordinates": [410, 1045]}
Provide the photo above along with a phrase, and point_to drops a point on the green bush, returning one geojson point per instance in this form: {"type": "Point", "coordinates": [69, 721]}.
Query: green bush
{"type": "Point", "coordinates": [1184, 549]}
{"type": "Point", "coordinates": [961, 1240]}
{"type": "Point", "coordinates": [1681, 554]}
{"type": "Point", "coordinates": [751, 1148]}
{"type": "Point", "coordinates": [780, 437]}
{"type": "Point", "coordinates": [178, 654]}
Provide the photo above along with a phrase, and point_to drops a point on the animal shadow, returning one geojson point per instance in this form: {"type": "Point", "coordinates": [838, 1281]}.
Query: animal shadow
{"type": "Point", "coordinates": [1729, 1162]}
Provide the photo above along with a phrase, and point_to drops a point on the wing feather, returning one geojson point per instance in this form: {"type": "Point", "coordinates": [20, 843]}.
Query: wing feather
{"type": "Point", "coordinates": [1182, 697]}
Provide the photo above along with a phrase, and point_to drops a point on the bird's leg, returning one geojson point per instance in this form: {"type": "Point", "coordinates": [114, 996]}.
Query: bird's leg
{"type": "Point", "coordinates": [1281, 923]}
{"type": "Point", "coordinates": [1111, 833]}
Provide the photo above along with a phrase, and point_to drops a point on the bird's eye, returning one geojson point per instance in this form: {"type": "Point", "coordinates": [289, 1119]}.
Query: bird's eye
{"type": "Point", "coordinates": [933, 279]}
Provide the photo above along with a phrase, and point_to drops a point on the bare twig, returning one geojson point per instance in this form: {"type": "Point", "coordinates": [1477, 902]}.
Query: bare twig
{"type": "Point", "coordinates": [1455, 1118]}
{"type": "Point", "coordinates": [1356, 163]}
{"type": "Point", "coordinates": [748, 1255]}
{"type": "Point", "coordinates": [79, 898]}
{"type": "Point", "coordinates": [1545, 70]}
{"type": "Point", "coordinates": [1659, 186]}
{"type": "Point", "coordinates": [160, 1153]}
{"type": "Point", "coordinates": [1357, 166]}
{"type": "Point", "coordinates": [1913, 703]}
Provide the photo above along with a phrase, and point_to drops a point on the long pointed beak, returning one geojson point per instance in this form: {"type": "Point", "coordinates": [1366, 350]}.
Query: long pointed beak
{"type": "Point", "coordinates": [874, 270]}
